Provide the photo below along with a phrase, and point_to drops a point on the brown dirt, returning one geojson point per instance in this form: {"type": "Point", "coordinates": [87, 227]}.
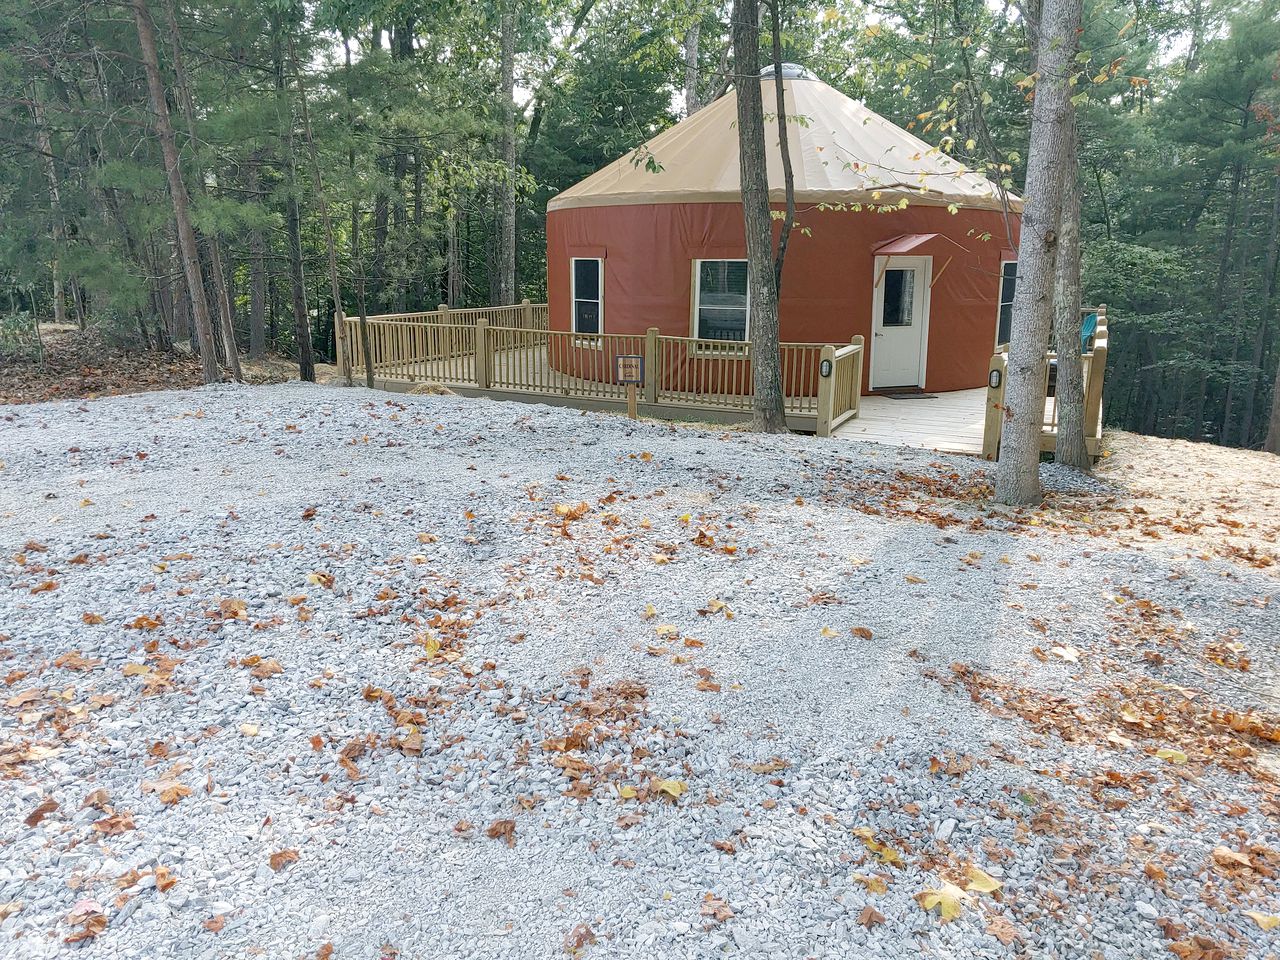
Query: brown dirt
{"type": "Point", "coordinates": [1216, 498]}
{"type": "Point", "coordinates": [80, 366]}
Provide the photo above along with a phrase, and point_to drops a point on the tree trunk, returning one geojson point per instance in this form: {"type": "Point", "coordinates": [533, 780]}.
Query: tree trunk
{"type": "Point", "coordinates": [55, 205]}
{"type": "Point", "coordinates": [317, 186]}
{"type": "Point", "coordinates": [177, 191]}
{"type": "Point", "coordinates": [221, 299]}
{"type": "Point", "coordinates": [691, 36]}
{"type": "Point", "coordinates": [293, 224]}
{"type": "Point", "coordinates": [257, 277]}
{"type": "Point", "coordinates": [784, 146]}
{"type": "Point", "coordinates": [1018, 473]}
{"type": "Point", "coordinates": [768, 413]}
{"type": "Point", "coordinates": [506, 287]}
{"type": "Point", "coordinates": [1270, 278]}
{"type": "Point", "coordinates": [1069, 447]}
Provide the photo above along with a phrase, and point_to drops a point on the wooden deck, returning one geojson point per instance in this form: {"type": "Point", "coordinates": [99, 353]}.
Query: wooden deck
{"type": "Point", "coordinates": [948, 422]}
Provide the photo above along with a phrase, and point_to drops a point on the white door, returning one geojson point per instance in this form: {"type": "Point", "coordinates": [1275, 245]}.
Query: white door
{"type": "Point", "coordinates": [899, 321]}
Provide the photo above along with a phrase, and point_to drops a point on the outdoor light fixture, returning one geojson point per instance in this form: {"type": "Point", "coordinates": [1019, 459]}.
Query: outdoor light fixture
{"type": "Point", "coordinates": [993, 379]}
{"type": "Point", "coordinates": [824, 368]}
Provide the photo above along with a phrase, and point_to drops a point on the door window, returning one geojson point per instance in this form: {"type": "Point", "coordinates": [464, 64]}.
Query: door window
{"type": "Point", "coordinates": [899, 293]}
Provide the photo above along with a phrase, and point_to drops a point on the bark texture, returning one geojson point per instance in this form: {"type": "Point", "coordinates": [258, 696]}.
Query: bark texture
{"type": "Point", "coordinates": [506, 287]}
{"type": "Point", "coordinates": [1069, 448]}
{"type": "Point", "coordinates": [768, 414]}
{"type": "Point", "coordinates": [1018, 473]}
{"type": "Point", "coordinates": [188, 251]}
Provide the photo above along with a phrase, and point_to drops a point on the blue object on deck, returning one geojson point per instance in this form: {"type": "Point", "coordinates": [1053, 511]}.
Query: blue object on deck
{"type": "Point", "coordinates": [1087, 330]}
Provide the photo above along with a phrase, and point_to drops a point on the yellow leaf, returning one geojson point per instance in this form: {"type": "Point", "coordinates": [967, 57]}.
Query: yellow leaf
{"type": "Point", "coordinates": [666, 629]}
{"type": "Point", "coordinates": [650, 611]}
{"type": "Point", "coordinates": [982, 882]}
{"type": "Point", "coordinates": [1070, 654]}
{"type": "Point", "coordinates": [873, 884]}
{"type": "Point", "coordinates": [828, 632]}
{"type": "Point", "coordinates": [673, 788]}
{"type": "Point", "coordinates": [947, 900]}
{"type": "Point", "coordinates": [1173, 756]}
{"type": "Point", "coordinates": [249, 729]}
{"type": "Point", "coordinates": [912, 578]}
{"type": "Point", "coordinates": [627, 792]}
{"type": "Point", "coordinates": [686, 517]}
{"type": "Point", "coordinates": [136, 669]}
{"type": "Point", "coordinates": [1267, 921]}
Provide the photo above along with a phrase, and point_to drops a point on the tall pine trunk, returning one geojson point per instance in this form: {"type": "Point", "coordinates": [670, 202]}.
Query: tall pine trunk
{"type": "Point", "coordinates": [506, 287]}
{"type": "Point", "coordinates": [257, 273]}
{"type": "Point", "coordinates": [1018, 471]}
{"type": "Point", "coordinates": [317, 185]}
{"type": "Point", "coordinates": [292, 216]}
{"type": "Point", "coordinates": [768, 413]}
{"type": "Point", "coordinates": [59, 231]}
{"type": "Point", "coordinates": [1270, 278]}
{"type": "Point", "coordinates": [1069, 446]}
{"type": "Point", "coordinates": [188, 250]}
{"type": "Point", "coordinates": [222, 299]}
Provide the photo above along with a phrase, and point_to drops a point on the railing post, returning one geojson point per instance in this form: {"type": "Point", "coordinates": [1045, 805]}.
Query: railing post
{"type": "Point", "coordinates": [526, 314]}
{"type": "Point", "coordinates": [482, 353]}
{"type": "Point", "coordinates": [651, 361]}
{"type": "Point", "coordinates": [340, 342]}
{"type": "Point", "coordinates": [994, 421]}
{"type": "Point", "coordinates": [443, 310]}
{"type": "Point", "coordinates": [1093, 390]}
{"type": "Point", "coordinates": [826, 391]}
{"type": "Point", "coordinates": [856, 401]}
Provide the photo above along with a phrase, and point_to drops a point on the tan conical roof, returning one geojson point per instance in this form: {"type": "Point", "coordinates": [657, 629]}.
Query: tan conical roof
{"type": "Point", "coordinates": [841, 152]}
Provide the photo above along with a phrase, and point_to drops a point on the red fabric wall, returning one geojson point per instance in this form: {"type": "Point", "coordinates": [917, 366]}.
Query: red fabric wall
{"type": "Point", "coordinates": [827, 282]}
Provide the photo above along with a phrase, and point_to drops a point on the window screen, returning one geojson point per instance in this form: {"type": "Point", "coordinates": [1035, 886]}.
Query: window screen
{"type": "Point", "coordinates": [588, 284]}
{"type": "Point", "coordinates": [899, 295]}
{"type": "Point", "coordinates": [1008, 284]}
{"type": "Point", "coordinates": [722, 300]}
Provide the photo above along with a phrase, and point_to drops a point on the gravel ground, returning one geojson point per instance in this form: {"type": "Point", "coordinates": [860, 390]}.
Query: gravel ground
{"type": "Point", "coordinates": [302, 671]}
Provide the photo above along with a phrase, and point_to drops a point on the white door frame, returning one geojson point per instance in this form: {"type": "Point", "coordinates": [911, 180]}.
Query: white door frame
{"type": "Point", "coordinates": [880, 265]}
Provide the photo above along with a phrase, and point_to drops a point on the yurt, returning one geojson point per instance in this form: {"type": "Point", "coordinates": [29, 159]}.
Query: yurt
{"type": "Point", "coordinates": [895, 241]}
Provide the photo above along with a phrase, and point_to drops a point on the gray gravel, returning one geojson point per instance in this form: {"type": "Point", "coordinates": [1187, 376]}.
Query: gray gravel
{"type": "Point", "coordinates": [694, 626]}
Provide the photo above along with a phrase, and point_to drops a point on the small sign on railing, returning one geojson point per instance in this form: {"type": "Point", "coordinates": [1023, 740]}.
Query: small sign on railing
{"type": "Point", "coordinates": [628, 369]}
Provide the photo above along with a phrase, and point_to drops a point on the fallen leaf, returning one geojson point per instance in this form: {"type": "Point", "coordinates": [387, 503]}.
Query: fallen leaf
{"type": "Point", "coordinates": [164, 879]}
{"type": "Point", "coordinates": [1267, 921]}
{"type": "Point", "coordinates": [672, 788]}
{"type": "Point", "coordinates": [578, 939]}
{"type": "Point", "coordinates": [215, 924]}
{"type": "Point", "coordinates": [1230, 858]}
{"type": "Point", "coordinates": [870, 916]}
{"type": "Point", "coordinates": [136, 670]}
{"type": "Point", "coordinates": [282, 858]}
{"type": "Point", "coordinates": [715, 908]}
{"type": "Point", "coordinates": [873, 884]}
{"type": "Point", "coordinates": [862, 633]}
{"type": "Point", "coordinates": [504, 830]}
{"type": "Point", "coordinates": [946, 899]}
{"type": "Point", "coordinates": [982, 882]}
{"type": "Point", "coordinates": [249, 729]}
{"type": "Point", "coordinates": [1171, 755]}
{"type": "Point", "coordinates": [1004, 931]}
{"type": "Point", "coordinates": [47, 806]}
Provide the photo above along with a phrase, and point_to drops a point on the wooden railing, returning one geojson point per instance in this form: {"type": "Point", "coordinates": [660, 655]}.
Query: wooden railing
{"type": "Point", "coordinates": [1094, 362]}
{"type": "Point", "coordinates": [821, 383]}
